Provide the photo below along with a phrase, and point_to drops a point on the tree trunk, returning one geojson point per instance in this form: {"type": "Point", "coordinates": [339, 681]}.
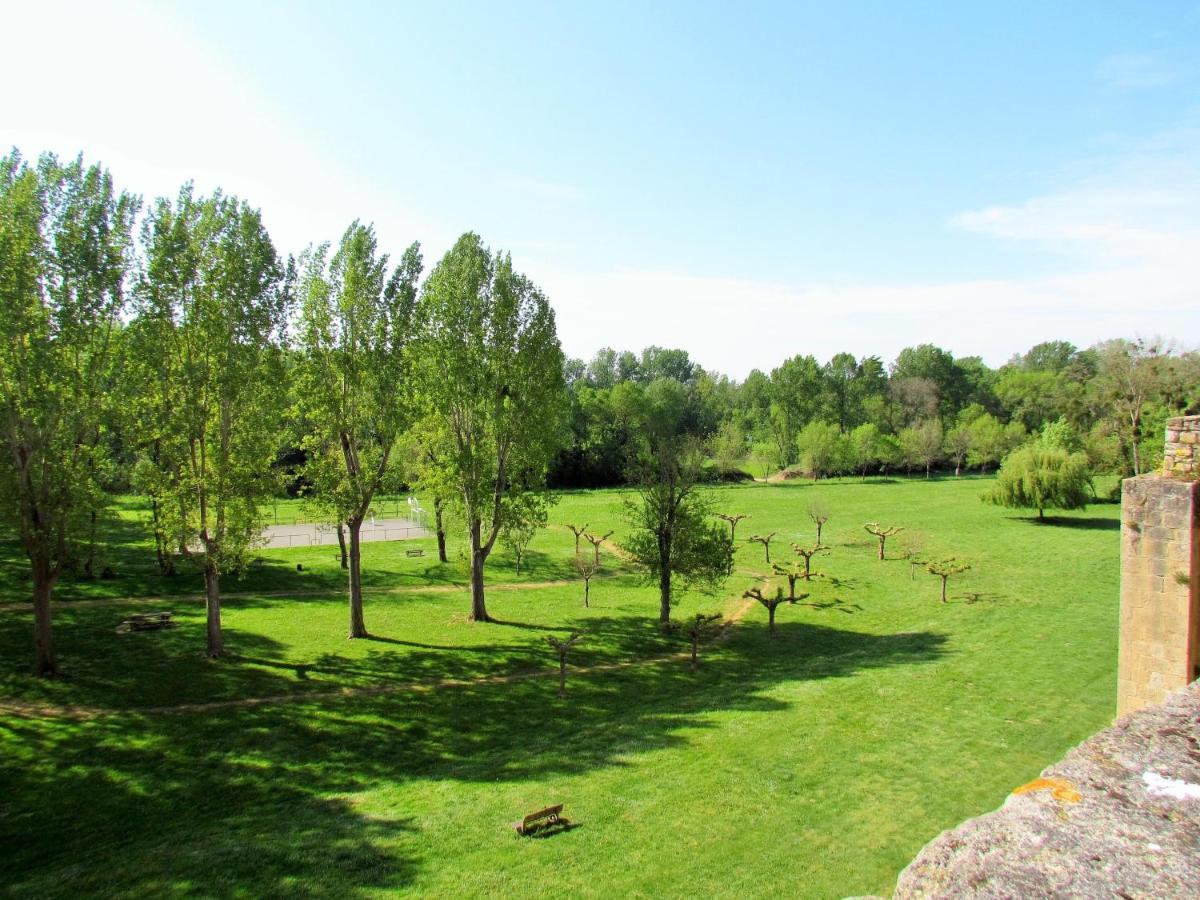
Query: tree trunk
{"type": "Point", "coordinates": [944, 580]}
{"type": "Point", "coordinates": [479, 611]}
{"type": "Point", "coordinates": [44, 663]}
{"type": "Point", "coordinates": [819, 526]}
{"type": "Point", "coordinates": [695, 643]}
{"type": "Point", "coordinates": [358, 628]}
{"type": "Point", "coordinates": [927, 467]}
{"type": "Point", "coordinates": [881, 542]}
{"type": "Point", "coordinates": [562, 675]}
{"type": "Point", "coordinates": [212, 597]}
{"type": "Point", "coordinates": [440, 529]}
{"type": "Point", "coordinates": [771, 619]}
{"type": "Point", "coordinates": [957, 469]}
{"type": "Point", "coordinates": [587, 586]}
{"type": "Point", "coordinates": [664, 594]}
{"type": "Point", "coordinates": [90, 562]}
{"type": "Point", "coordinates": [341, 533]}
{"type": "Point", "coordinates": [1041, 514]}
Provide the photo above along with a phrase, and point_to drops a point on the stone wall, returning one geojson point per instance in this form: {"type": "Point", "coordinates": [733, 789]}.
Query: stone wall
{"type": "Point", "coordinates": [1181, 459]}
{"type": "Point", "coordinates": [1118, 817]}
{"type": "Point", "coordinates": [1160, 592]}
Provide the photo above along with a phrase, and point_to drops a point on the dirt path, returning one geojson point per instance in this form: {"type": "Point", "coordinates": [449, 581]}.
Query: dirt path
{"type": "Point", "coordinates": [82, 713]}
{"type": "Point", "coordinates": [160, 599]}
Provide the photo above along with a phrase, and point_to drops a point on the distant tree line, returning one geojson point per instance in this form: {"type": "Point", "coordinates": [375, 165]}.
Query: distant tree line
{"type": "Point", "coordinates": [925, 411]}
{"type": "Point", "coordinates": [177, 354]}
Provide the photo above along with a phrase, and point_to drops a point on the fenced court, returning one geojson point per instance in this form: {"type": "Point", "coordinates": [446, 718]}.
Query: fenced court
{"type": "Point", "coordinates": [313, 535]}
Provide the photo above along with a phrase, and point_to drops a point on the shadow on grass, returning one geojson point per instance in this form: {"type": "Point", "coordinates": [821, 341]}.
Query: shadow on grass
{"type": "Point", "coordinates": [251, 800]}
{"type": "Point", "coordinates": [1088, 523]}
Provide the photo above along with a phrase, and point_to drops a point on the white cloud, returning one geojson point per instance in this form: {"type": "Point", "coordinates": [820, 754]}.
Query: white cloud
{"type": "Point", "coordinates": [1128, 236]}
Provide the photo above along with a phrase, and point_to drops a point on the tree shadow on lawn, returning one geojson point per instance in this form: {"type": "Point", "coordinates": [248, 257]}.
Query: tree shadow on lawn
{"type": "Point", "coordinates": [104, 808]}
{"type": "Point", "coordinates": [251, 799]}
{"type": "Point", "coordinates": [1089, 523]}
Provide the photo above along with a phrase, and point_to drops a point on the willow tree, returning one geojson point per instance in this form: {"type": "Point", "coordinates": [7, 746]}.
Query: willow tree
{"type": "Point", "coordinates": [206, 378]}
{"type": "Point", "coordinates": [492, 383]}
{"type": "Point", "coordinates": [353, 387]}
{"type": "Point", "coordinates": [65, 245]}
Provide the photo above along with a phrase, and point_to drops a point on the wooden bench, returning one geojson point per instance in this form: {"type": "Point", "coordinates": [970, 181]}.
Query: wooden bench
{"type": "Point", "coordinates": [416, 552]}
{"type": "Point", "coordinates": [147, 622]}
{"type": "Point", "coordinates": [540, 819]}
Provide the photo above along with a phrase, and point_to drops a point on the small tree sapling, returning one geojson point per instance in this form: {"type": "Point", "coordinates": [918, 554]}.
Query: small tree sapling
{"type": "Point", "coordinates": [562, 646]}
{"type": "Point", "coordinates": [882, 533]}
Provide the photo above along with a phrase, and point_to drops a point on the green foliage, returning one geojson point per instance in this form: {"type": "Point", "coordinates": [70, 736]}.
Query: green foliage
{"type": "Point", "coordinates": [524, 516]}
{"type": "Point", "coordinates": [353, 385]}
{"type": "Point", "coordinates": [203, 365]}
{"type": "Point", "coordinates": [1040, 477]}
{"type": "Point", "coordinates": [1060, 435]}
{"type": "Point", "coordinates": [492, 384]}
{"type": "Point", "coordinates": [823, 449]}
{"type": "Point", "coordinates": [672, 532]}
{"type": "Point", "coordinates": [921, 444]}
{"type": "Point", "coordinates": [65, 248]}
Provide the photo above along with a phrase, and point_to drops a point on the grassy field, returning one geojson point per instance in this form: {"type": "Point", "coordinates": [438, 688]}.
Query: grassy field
{"type": "Point", "coordinates": [815, 763]}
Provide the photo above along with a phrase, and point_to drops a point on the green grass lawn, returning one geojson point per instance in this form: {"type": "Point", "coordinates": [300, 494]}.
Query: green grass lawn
{"type": "Point", "coordinates": [815, 763]}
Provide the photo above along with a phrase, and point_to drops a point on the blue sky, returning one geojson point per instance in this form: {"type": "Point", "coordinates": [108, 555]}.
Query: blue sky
{"type": "Point", "coordinates": [745, 181]}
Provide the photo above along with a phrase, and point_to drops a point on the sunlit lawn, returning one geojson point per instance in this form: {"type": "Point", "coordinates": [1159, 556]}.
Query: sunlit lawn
{"type": "Point", "coordinates": [813, 764]}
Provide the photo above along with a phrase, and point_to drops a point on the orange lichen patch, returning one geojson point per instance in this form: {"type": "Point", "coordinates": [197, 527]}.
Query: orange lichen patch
{"type": "Point", "coordinates": [1060, 789]}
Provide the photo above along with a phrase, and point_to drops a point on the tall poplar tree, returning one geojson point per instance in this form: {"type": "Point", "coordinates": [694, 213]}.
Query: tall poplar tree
{"type": "Point", "coordinates": [208, 373]}
{"type": "Point", "coordinates": [492, 382]}
{"type": "Point", "coordinates": [353, 385]}
{"type": "Point", "coordinates": [65, 249]}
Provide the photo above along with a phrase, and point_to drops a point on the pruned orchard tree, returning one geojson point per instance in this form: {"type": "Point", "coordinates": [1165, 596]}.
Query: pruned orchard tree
{"type": "Point", "coordinates": [765, 540]}
{"type": "Point", "coordinates": [819, 513]}
{"type": "Point", "coordinates": [944, 569]}
{"type": "Point", "coordinates": [806, 555]}
{"type": "Point", "coordinates": [882, 533]}
{"type": "Point", "coordinates": [65, 249]}
{"type": "Point", "coordinates": [771, 603]}
{"type": "Point", "coordinates": [793, 572]}
{"type": "Point", "coordinates": [492, 381]}
{"type": "Point", "coordinates": [700, 627]}
{"type": "Point", "coordinates": [562, 646]}
{"type": "Point", "coordinates": [597, 541]}
{"type": "Point", "coordinates": [353, 378]}
{"type": "Point", "coordinates": [578, 531]}
{"type": "Point", "coordinates": [672, 535]}
{"type": "Point", "coordinates": [212, 307]}
{"type": "Point", "coordinates": [587, 567]}
{"type": "Point", "coordinates": [913, 550]}
{"type": "Point", "coordinates": [733, 520]}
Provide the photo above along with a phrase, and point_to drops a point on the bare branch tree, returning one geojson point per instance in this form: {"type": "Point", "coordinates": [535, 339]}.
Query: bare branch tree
{"type": "Point", "coordinates": [807, 554]}
{"type": "Point", "coordinates": [587, 569]}
{"type": "Point", "coordinates": [700, 627]}
{"type": "Point", "coordinates": [561, 647]}
{"type": "Point", "coordinates": [819, 513]}
{"type": "Point", "coordinates": [596, 542]}
{"type": "Point", "coordinates": [771, 604]}
{"type": "Point", "coordinates": [882, 533]}
{"type": "Point", "coordinates": [733, 522]}
{"type": "Point", "coordinates": [944, 568]}
{"type": "Point", "coordinates": [913, 549]}
{"type": "Point", "coordinates": [578, 531]}
{"type": "Point", "coordinates": [765, 541]}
